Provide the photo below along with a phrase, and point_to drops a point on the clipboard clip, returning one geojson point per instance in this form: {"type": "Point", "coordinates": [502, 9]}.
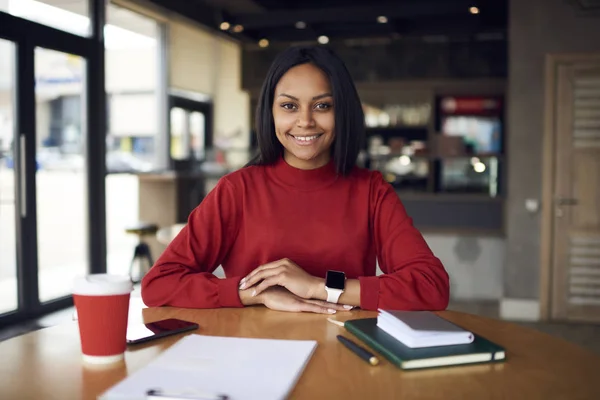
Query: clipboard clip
{"type": "Point", "coordinates": [158, 394]}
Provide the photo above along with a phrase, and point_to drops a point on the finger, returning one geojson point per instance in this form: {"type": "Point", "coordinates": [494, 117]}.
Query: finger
{"type": "Point", "coordinates": [254, 279]}
{"type": "Point", "coordinates": [257, 277]}
{"type": "Point", "coordinates": [273, 264]}
{"type": "Point", "coordinates": [335, 306]}
{"type": "Point", "coordinates": [265, 284]}
{"type": "Point", "coordinates": [311, 307]}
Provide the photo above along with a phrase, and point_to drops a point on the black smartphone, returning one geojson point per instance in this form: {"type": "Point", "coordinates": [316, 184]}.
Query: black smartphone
{"type": "Point", "coordinates": [140, 333]}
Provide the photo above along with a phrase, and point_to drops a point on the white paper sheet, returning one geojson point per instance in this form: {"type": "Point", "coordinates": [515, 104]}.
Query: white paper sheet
{"type": "Point", "coordinates": [248, 369]}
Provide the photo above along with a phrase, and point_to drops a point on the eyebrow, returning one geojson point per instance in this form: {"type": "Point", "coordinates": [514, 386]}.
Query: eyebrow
{"type": "Point", "coordinates": [319, 97]}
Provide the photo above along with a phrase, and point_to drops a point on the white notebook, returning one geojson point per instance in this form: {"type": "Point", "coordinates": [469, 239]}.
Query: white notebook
{"type": "Point", "coordinates": [209, 366]}
{"type": "Point", "coordinates": [422, 329]}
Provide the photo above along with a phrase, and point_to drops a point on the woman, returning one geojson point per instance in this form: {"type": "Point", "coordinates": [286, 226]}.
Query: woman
{"type": "Point", "coordinates": [301, 211]}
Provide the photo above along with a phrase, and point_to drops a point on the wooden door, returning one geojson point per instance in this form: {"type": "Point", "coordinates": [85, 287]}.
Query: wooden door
{"type": "Point", "coordinates": [575, 197]}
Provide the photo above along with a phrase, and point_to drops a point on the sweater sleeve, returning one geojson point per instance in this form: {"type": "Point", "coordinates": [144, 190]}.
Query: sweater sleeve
{"type": "Point", "coordinates": [413, 278]}
{"type": "Point", "coordinates": [182, 275]}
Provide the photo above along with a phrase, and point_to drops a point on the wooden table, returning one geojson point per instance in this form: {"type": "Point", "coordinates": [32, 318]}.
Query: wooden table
{"type": "Point", "coordinates": [47, 364]}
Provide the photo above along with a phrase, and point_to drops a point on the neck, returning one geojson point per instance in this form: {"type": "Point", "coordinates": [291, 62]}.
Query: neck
{"type": "Point", "coordinates": [304, 179]}
{"type": "Point", "coordinates": [315, 163]}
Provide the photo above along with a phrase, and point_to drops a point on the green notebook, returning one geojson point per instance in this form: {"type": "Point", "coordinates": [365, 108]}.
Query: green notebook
{"type": "Point", "coordinates": [480, 350]}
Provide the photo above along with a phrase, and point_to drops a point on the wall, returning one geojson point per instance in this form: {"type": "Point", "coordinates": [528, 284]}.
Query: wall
{"type": "Point", "coordinates": [131, 69]}
{"type": "Point", "coordinates": [193, 58]}
{"type": "Point", "coordinates": [232, 108]}
{"type": "Point", "coordinates": [205, 63]}
{"type": "Point", "coordinates": [537, 27]}
{"type": "Point", "coordinates": [474, 263]}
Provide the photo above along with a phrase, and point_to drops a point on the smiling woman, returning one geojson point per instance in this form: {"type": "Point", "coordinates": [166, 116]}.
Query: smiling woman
{"type": "Point", "coordinates": [300, 227]}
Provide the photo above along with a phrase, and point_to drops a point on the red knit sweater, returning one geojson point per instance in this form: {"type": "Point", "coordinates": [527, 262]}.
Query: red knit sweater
{"type": "Point", "coordinates": [317, 219]}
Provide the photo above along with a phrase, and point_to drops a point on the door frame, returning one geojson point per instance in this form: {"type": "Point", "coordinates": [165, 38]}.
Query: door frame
{"type": "Point", "coordinates": [552, 64]}
{"type": "Point", "coordinates": [27, 35]}
{"type": "Point", "coordinates": [204, 107]}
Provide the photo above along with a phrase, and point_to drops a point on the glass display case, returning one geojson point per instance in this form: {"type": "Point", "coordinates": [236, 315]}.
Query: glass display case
{"type": "Point", "coordinates": [469, 175]}
{"type": "Point", "coordinates": [468, 144]}
{"type": "Point", "coordinates": [404, 164]}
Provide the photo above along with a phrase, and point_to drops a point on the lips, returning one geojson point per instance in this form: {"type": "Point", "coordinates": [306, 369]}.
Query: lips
{"type": "Point", "coordinates": [305, 140]}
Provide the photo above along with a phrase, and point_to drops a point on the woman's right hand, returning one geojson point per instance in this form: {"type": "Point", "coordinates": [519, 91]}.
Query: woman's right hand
{"type": "Point", "coordinates": [280, 299]}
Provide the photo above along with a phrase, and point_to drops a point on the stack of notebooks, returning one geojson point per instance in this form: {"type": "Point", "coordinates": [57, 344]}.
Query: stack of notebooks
{"type": "Point", "coordinates": [422, 339]}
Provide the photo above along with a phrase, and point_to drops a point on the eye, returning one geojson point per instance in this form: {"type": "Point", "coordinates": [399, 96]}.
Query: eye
{"type": "Point", "coordinates": [288, 106]}
{"type": "Point", "coordinates": [323, 106]}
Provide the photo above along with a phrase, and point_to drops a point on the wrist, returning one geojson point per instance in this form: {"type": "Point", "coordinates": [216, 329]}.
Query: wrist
{"type": "Point", "coordinates": [319, 292]}
{"type": "Point", "coordinates": [247, 299]}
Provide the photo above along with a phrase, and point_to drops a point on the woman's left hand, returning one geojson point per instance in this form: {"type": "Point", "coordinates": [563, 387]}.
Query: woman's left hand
{"type": "Point", "coordinates": [284, 273]}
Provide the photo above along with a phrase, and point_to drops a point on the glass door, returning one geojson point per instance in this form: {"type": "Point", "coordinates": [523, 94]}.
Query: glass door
{"type": "Point", "coordinates": [8, 180]}
{"type": "Point", "coordinates": [61, 176]}
{"type": "Point", "coordinates": [52, 148]}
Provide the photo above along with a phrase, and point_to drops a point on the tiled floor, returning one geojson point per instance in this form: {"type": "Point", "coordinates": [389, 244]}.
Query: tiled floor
{"type": "Point", "coordinates": [585, 335]}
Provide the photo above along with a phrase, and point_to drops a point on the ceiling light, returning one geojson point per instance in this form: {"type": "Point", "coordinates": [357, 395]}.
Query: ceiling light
{"type": "Point", "coordinates": [323, 39]}
{"type": "Point", "coordinates": [300, 25]}
{"type": "Point", "coordinates": [474, 10]}
{"type": "Point", "coordinates": [238, 28]}
{"type": "Point", "coordinates": [263, 43]}
{"type": "Point", "coordinates": [382, 19]}
{"type": "Point", "coordinates": [224, 26]}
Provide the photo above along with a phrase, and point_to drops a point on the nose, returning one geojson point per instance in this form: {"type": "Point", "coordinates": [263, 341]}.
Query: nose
{"type": "Point", "coordinates": [305, 119]}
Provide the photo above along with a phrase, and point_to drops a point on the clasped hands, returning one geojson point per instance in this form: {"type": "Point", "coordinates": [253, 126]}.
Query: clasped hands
{"type": "Point", "coordinates": [282, 285]}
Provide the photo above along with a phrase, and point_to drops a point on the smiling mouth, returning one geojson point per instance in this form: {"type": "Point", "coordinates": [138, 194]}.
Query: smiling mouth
{"type": "Point", "coordinates": [306, 139]}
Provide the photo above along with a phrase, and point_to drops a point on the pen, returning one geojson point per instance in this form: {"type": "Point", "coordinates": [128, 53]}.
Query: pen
{"type": "Point", "coordinates": [157, 394]}
{"type": "Point", "coordinates": [358, 350]}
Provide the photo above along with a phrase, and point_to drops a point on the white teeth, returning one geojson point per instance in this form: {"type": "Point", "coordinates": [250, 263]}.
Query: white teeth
{"type": "Point", "coordinates": [306, 138]}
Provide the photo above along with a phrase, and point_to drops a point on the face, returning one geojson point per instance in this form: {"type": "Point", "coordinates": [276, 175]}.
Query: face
{"type": "Point", "coordinates": [303, 116]}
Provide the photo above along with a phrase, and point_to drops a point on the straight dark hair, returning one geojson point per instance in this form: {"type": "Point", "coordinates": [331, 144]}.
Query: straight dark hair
{"type": "Point", "coordinates": [349, 116]}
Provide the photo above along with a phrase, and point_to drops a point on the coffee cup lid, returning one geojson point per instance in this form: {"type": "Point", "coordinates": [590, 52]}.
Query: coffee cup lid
{"type": "Point", "coordinates": [102, 285]}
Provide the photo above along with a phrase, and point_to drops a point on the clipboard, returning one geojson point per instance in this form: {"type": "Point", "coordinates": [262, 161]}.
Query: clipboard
{"type": "Point", "coordinates": [200, 367]}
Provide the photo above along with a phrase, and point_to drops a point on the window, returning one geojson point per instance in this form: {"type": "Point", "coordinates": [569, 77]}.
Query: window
{"type": "Point", "coordinates": [8, 203]}
{"type": "Point", "coordinates": [132, 78]}
{"type": "Point", "coordinates": [71, 16]}
{"type": "Point", "coordinates": [133, 74]}
{"type": "Point", "coordinates": [61, 176]}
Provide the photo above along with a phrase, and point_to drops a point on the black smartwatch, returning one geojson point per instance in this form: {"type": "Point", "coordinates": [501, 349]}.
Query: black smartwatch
{"type": "Point", "coordinates": [335, 283]}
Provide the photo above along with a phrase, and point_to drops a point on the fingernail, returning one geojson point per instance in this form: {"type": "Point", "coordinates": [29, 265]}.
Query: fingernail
{"type": "Point", "coordinates": [348, 307]}
{"type": "Point", "coordinates": [331, 311]}
{"type": "Point", "coordinates": [242, 285]}
{"type": "Point", "coordinates": [254, 293]}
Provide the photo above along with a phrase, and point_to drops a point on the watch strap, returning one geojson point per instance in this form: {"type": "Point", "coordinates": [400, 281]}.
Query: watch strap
{"type": "Point", "coordinates": [333, 295]}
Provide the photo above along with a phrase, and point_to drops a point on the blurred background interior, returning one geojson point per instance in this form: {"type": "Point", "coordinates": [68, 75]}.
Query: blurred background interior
{"type": "Point", "coordinates": [483, 114]}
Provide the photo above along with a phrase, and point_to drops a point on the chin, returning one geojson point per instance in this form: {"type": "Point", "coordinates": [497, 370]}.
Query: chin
{"type": "Point", "coordinates": [306, 157]}
{"type": "Point", "coordinates": [310, 160]}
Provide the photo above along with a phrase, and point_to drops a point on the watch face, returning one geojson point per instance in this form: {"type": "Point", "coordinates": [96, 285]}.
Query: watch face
{"type": "Point", "coordinates": [335, 280]}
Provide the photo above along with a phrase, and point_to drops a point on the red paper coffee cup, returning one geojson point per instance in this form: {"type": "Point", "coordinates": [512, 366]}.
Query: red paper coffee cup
{"type": "Point", "coordinates": [102, 303]}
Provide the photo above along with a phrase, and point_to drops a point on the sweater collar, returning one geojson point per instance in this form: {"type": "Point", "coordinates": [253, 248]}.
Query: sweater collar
{"type": "Point", "coordinates": [304, 179]}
